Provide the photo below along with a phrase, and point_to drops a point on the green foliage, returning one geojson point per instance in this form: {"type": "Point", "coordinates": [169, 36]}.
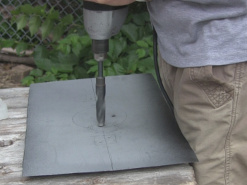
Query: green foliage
{"type": "Point", "coordinates": [39, 19]}
{"type": "Point", "coordinates": [131, 51]}
{"type": "Point", "coordinates": [68, 55]}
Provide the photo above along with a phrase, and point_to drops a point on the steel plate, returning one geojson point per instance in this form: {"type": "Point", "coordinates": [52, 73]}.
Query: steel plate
{"type": "Point", "coordinates": [62, 135]}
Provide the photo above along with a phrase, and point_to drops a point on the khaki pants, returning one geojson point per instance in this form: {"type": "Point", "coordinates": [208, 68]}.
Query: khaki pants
{"type": "Point", "coordinates": [210, 105]}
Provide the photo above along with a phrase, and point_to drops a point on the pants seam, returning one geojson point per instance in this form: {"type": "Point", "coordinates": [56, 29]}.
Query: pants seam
{"type": "Point", "coordinates": [228, 152]}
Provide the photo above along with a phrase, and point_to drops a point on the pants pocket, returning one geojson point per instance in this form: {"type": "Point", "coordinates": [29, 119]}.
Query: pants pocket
{"type": "Point", "coordinates": [218, 90]}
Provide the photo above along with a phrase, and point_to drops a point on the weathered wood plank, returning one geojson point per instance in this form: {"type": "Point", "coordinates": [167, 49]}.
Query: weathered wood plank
{"type": "Point", "coordinates": [16, 102]}
{"type": "Point", "coordinates": [12, 136]}
{"type": "Point", "coordinates": [6, 122]}
{"type": "Point", "coordinates": [14, 92]}
{"type": "Point", "coordinates": [8, 140]}
{"type": "Point", "coordinates": [15, 97]}
{"type": "Point", "coordinates": [17, 113]}
{"type": "Point", "coordinates": [12, 126]}
{"type": "Point", "coordinates": [173, 175]}
{"type": "Point", "coordinates": [12, 149]}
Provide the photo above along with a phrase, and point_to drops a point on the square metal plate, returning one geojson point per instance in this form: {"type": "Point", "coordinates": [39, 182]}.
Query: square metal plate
{"type": "Point", "coordinates": [63, 137]}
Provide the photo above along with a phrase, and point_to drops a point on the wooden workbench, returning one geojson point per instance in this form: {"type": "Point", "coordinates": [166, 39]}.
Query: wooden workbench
{"type": "Point", "coordinates": [12, 136]}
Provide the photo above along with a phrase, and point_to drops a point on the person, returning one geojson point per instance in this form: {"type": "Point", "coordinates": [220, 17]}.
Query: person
{"type": "Point", "coordinates": [203, 54]}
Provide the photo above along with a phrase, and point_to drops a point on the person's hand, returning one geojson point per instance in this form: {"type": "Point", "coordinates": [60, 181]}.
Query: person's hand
{"type": "Point", "coordinates": [113, 2]}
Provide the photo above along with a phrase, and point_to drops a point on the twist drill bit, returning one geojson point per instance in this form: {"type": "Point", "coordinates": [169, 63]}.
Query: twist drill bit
{"type": "Point", "coordinates": [100, 49]}
{"type": "Point", "coordinates": [100, 92]}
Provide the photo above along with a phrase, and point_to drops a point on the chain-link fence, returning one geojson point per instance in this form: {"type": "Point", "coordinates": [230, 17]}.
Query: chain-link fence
{"type": "Point", "coordinates": [8, 30]}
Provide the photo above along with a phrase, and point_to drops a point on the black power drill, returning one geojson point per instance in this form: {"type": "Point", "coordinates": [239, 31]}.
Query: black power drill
{"type": "Point", "coordinates": [102, 22]}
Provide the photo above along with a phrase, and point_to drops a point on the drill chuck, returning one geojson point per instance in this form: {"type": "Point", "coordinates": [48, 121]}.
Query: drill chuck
{"type": "Point", "coordinates": [102, 21]}
{"type": "Point", "coordinates": [100, 46]}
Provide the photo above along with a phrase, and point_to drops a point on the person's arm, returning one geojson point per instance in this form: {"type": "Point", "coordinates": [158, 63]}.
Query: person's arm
{"type": "Point", "coordinates": [113, 2]}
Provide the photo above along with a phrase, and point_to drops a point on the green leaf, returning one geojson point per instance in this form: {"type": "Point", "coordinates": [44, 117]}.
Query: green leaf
{"type": "Point", "coordinates": [36, 73]}
{"type": "Point", "coordinates": [151, 52]}
{"type": "Point", "coordinates": [69, 59]}
{"type": "Point", "coordinates": [47, 64]}
{"type": "Point", "coordinates": [132, 56]}
{"type": "Point", "coordinates": [146, 16]}
{"type": "Point", "coordinates": [26, 9]}
{"type": "Point", "coordinates": [65, 48]}
{"type": "Point", "coordinates": [132, 67]}
{"type": "Point", "coordinates": [43, 63]}
{"type": "Point", "coordinates": [21, 22]}
{"type": "Point", "coordinates": [142, 43]}
{"type": "Point", "coordinates": [85, 40]}
{"type": "Point", "coordinates": [58, 32]}
{"type": "Point", "coordinates": [129, 18]}
{"type": "Point", "coordinates": [93, 69]}
{"type": "Point", "coordinates": [46, 28]}
{"type": "Point", "coordinates": [131, 32]}
{"type": "Point", "coordinates": [92, 62]}
{"type": "Point", "coordinates": [141, 32]}
{"type": "Point", "coordinates": [27, 81]}
{"type": "Point", "coordinates": [71, 77]}
{"type": "Point", "coordinates": [118, 69]}
{"type": "Point", "coordinates": [66, 40]}
{"type": "Point", "coordinates": [34, 24]}
{"type": "Point", "coordinates": [139, 19]}
{"type": "Point", "coordinates": [54, 71]}
{"type": "Point", "coordinates": [129, 62]}
{"type": "Point", "coordinates": [76, 49]}
{"type": "Point", "coordinates": [76, 45]}
{"type": "Point", "coordinates": [22, 46]}
{"type": "Point", "coordinates": [53, 14]}
{"type": "Point", "coordinates": [152, 71]}
{"type": "Point", "coordinates": [149, 40]}
{"type": "Point", "coordinates": [107, 63]}
{"type": "Point", "coordinates": [110, 71]}
{"type": "Point", "coordinates": [63, 76]}
{"type": "Point", "coordinates": [145, 65]}
{"type": "Point", "coordinates": [40, 52]}
{"type": "Point", "coordinates": [116, 47]}
{"type": "Point", "coordinates": [40, 10]}
{"type": "Point", "coordinates": [80, 72]}
{"type": "Point", "coordinates": [17, 11]}
{"type": "Point", "coordinates": [67, 20]}
{"type": "Point", "coordinates": [54, 60]}
{"type": "Point", "coordinates": [141, 52]}
{"type": "Point", "coordinates": [72, 38]}
{"type": "Point", "coordinates": [10, 43]}
{"type": "Point", "coordinates": [46, 78]}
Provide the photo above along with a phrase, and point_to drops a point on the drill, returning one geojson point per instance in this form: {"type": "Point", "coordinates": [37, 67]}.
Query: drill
{"type": "Point", "coordinates": [101, 23]}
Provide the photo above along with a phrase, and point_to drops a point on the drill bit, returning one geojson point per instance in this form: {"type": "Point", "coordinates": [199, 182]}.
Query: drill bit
{"type": "Point", "coordinates": [100, 49]}
{"type": "Point", "coordinates": [100, 92]}
{"type": "Point", "coordinates": [102, 22]}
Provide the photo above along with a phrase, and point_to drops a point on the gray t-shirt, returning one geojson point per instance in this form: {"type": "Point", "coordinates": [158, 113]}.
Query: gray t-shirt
{"type": "Point", "coordinates": [195, 33]}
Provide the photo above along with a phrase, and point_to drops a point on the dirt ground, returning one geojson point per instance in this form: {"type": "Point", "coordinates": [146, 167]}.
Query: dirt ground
{"type": "Point", "coordinates": [6, 73]}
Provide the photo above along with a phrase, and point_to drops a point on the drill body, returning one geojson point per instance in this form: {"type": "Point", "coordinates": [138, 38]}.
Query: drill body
{"type": "Point", "coordinates": [101, 23]}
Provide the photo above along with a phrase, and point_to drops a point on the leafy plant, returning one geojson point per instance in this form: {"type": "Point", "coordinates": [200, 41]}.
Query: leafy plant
{"type": "Point", "coordinates": [66, 50]}
{"type": "Point", "coordinates": [60, 58]}
{"type": "Point", "coordinates": [39, 19]}
{"type": "Point", "coordinates": [131, 51]}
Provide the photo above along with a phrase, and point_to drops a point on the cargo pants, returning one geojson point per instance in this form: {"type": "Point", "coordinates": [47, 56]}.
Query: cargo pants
{"type": "Point", "coordinates": [210, 105]}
